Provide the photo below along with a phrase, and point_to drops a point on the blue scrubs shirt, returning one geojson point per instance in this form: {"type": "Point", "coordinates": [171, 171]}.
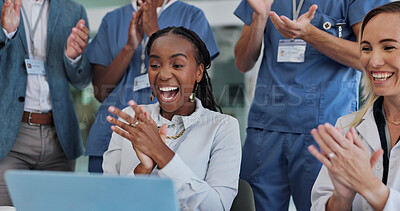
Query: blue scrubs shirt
{"type": "Point", "coordinates": [111, 38]}
{"type": "Point", "coordinates": [296, 97]}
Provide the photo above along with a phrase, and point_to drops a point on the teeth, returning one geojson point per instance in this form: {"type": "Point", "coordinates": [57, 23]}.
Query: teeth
{"type": "Point", "coordinates": [167, 89]}
{"type": "Point", "coordinates": [381, 76]}
{"type": "Point", "coordinates": [167, 98]}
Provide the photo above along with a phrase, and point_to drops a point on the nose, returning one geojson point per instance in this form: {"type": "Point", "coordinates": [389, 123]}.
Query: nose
{"type": "Point", "coordinates": [165, 74]}
{"type": "Point", "coordinates": [376, 59]}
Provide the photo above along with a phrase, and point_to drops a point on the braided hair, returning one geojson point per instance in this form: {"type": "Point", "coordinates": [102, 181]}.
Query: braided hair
{"type": "Point", "coordinates": [202, 56]}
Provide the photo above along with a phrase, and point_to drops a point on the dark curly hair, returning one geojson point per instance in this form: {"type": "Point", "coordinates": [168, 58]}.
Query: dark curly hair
{"type": "Point", "coordinates": [202, 56]}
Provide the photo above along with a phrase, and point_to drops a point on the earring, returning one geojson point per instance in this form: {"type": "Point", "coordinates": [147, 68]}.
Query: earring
{"type": "Point", "coordinates": [192, 97]}
{"type": "Point", "coordinates": [152, 96]}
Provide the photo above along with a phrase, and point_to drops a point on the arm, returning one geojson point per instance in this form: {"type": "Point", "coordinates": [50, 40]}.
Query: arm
{"type": "Point", "coordinates": [342, 51]}
{"type": "Point", "coordinates": [109, 76]}
{"type": "Point", "coordinates": [248, 47]}
{"type": "Point", "coordinates": [112, 157]}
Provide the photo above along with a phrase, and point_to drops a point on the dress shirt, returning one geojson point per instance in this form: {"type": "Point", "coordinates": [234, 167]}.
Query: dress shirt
{"type": "Point", "coordinates": [37, 91]}
{"type": "Point", "coordinates": [205, 168]}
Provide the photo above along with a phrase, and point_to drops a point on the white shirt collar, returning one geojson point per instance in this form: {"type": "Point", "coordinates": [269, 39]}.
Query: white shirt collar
{"type": "Point", "coordinates": [177, 119]}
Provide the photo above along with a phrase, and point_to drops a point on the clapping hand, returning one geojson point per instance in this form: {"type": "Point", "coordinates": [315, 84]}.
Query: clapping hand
{"type": "Point", "coordinates": [142, 132]}
{"type": "Point", "coordinates": [10, 15]}
{"type": "Point", "coordinates": [136, 32]}
{"type": "Point", "coordinates": [347, 159]}
{"type": "Point", "coordinates": [77, 40]}
{"type": "Point", "coordinates": [261, 7]}
{"type": "Point", "coordinates": [294, 28]}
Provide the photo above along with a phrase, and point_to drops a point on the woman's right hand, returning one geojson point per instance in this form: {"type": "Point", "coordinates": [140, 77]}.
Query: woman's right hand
{"type": "Point", "coordinates": [10, 15]}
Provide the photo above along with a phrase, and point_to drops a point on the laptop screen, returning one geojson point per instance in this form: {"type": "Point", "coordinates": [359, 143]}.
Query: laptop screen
{"type": "Point", "coordinates": [45, 191]}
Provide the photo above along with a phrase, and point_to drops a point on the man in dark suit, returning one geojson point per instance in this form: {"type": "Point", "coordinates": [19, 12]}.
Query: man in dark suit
{"type": "Point", "coordinates": [40, 129]}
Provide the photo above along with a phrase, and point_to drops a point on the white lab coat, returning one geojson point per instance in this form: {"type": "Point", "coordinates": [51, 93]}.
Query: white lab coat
{"type": "Point", "coordinates": [368, 131]}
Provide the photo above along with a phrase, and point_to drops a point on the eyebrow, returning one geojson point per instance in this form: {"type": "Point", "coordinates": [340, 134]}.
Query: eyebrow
{"type": "Point", "coordinates": [171, 57]}
{"type": "Point", "coordinates": [382, 41]}
{"type": "Point", "coordinates": [178, 54]}
{"type": "Point", "coordinates": [388, 40]}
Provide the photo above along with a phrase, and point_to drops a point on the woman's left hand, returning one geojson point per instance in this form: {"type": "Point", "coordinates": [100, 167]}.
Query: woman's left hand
{"type": "Point", "coordinates": [143, 133]}
{"type": "Point", "coordinates": [348, 161]}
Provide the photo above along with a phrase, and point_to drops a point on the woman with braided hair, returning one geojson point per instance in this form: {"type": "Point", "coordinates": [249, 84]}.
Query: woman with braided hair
{"type": "Point", "coordinates": [182, 137]}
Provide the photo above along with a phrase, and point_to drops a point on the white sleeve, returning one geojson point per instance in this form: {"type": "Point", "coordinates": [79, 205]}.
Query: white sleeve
{"type": "Point", "coordinates": [393, 202]}
{"type": "Point", "coordinates": [9, 35]}
{"type": "Point", "coordinates": [219, 188]}
{"type": "Point", "coordinates": [112, 157]}
{"type": "Point", "coordinates": [323, 186]}
{"type": "Point", "coordinates": [321, 191]}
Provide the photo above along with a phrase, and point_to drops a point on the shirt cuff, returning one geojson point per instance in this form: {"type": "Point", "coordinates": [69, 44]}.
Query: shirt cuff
{"type": "Point", "coordinates": [9, 35]}
{"type": "Point", "coordinates": [73, 61]}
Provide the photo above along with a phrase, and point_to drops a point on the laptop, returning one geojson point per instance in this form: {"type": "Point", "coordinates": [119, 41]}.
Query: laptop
{"type": "Point", "coordinates": [49, 190]}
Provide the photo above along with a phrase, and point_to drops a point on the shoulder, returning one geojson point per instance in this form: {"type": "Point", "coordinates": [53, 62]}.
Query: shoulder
{"type": "Point", "coordinates": [119, 12]}
{"type": "Point", "coordinates": [185, 7]}
{"type": "Point", "coordinates": [344, 121]}
{"type": "Point", "coordinates": [71, 5]}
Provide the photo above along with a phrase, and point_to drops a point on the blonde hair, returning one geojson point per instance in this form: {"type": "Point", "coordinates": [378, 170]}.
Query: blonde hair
{"type": "Point", "coordinates": [368, 95]}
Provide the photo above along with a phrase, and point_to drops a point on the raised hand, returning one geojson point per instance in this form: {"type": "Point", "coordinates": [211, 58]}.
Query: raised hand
{"type": "Point", "coordinates": [149, 18]}
{"type": "Point", "coordinates": [294, 29]}
{"type": "Point", "coordinates": [261, 7]}
{"type": "Point", "coordinates": [136, 32]}
{"type": "Point", "coordinates": [10, 15]}
{"type": "Point", "coordinates": [77, 40]}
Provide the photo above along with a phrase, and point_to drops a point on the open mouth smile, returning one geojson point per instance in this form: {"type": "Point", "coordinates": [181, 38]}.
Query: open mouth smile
{"type": "Point", "coordinates": [381, 76]}
{"type": "Point", "coordinates": [168, 93]}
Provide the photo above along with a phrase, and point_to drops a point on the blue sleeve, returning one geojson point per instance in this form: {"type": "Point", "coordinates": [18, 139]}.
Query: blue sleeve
{"type": "Point", "coordinates": [98, 51]}
{"type": "Point", "coordinates": [200, 25]}
{"type": "Point", "coordinates": [359, 8]}
{"type": "Point", "coordinates": [244, 12]}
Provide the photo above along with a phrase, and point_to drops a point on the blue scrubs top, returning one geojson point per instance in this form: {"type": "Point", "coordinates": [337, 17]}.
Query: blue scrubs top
{"type": "Point", "coordinates": [296, 97]}
{"type": "Point", "coordinates": [111, 38]}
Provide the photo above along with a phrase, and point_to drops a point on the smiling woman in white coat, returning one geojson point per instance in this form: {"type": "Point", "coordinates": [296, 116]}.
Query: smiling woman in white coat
{"type": "Point", "coordinates": [361, 156]}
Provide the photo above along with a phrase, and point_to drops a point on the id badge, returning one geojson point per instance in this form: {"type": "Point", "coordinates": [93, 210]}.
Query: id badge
{"type": "Point", "coordinates": [291, 50]}
{"type": "Point", "coordinates": [141, 82]}
{"type": "Point", "coordinates": [35, 67]}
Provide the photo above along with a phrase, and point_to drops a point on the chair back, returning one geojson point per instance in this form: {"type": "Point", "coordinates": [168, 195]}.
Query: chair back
{"type": "Point", "coordinates": [244, 200]}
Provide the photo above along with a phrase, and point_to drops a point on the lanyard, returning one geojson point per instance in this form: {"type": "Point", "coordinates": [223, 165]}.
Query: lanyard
{"type": "Point", "coordinates": [33, 31]}
{"type": "Point", "coordinates": [146, 40]}
{"type": "Point", "coordinates": [296, 9]}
